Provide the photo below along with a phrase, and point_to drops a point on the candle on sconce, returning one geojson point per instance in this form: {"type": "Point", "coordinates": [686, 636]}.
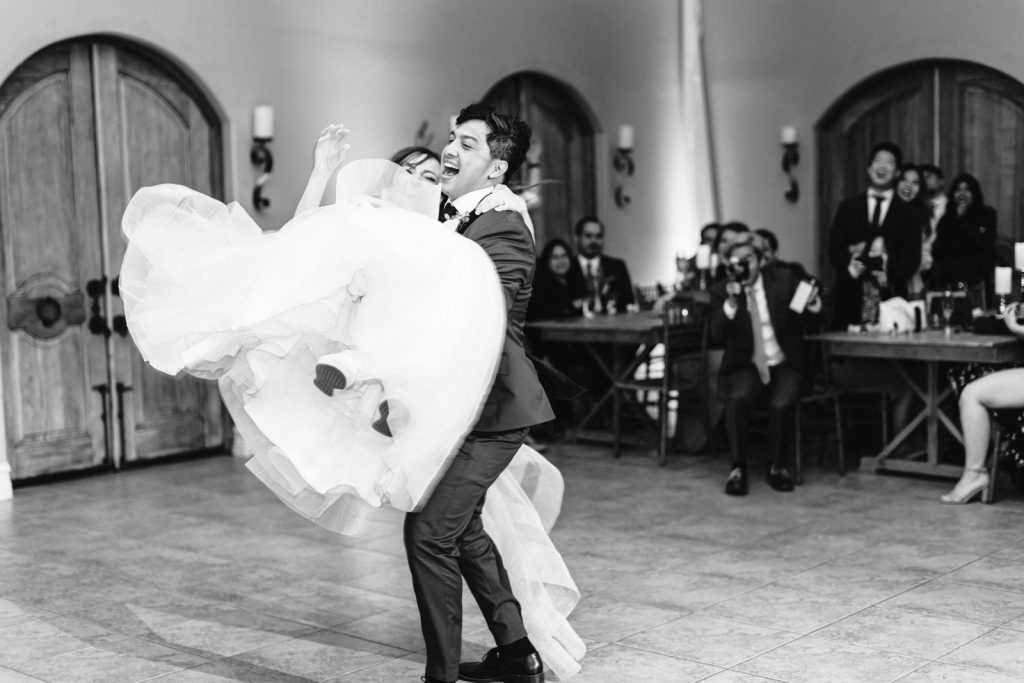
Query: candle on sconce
{"type": "Point", "coordinates": [703, 257]}
{"type": "Point", "coordinates": [263, 122]}
{"type": "Point", "coordinates": [1004, 280]}
{"type": "Point", "coordinates": [626, 136]}
{"type": "Point", "coordinates": [1018, 255]}
{"type": "Point", "coordinates": [789, 136]}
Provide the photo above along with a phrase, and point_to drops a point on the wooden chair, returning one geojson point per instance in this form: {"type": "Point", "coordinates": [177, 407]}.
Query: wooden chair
{"type": "Point", "coordinates": [685, 331]}
{"type": "Point", "coordinates": [996, 453]}
{"type": "Point", "coordinates": [647, 295]}
{"type": "Point", "coordinates": [821, 389]}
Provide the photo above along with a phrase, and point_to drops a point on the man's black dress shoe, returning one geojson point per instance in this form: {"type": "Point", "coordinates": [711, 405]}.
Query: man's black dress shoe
{"type": "Point", "coordinates": [427, 679]}
{"type": "Point", "coordinates": [494, 668]}
{"type": "Point", "coordinates": [780, 479]}
{"type": "Point", "coordinates": [736, 484]}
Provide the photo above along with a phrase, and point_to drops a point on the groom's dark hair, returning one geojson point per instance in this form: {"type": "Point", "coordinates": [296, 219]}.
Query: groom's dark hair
{"type": "Point", "coordinates": [509, 137]}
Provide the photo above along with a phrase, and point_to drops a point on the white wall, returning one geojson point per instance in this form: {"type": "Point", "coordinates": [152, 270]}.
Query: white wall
{"type": "Point", "coordinates": [777, 62]}
{"type": "Point", "coordinates": [382, 67]}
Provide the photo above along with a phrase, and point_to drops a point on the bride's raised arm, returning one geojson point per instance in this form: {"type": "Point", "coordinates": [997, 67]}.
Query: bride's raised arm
{"type": "Point", "coordinates": [328, 156]}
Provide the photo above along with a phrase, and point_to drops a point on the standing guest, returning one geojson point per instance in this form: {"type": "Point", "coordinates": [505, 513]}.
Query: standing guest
{"type": "Point", "coordinates": [983, 389]}
{"type": "Point", "coordinates": [908, 188]}
{"type": "Point", "coordinates": [965, 238]}
{"type": "Point", "coordinates": [934, 192]}
{"type": "Point", "coordinates": [555, 283]}
{"type": "Point", "coordinates": [858, 220]}
{"type": "Point", "coordinates": [606, 283]}
{"type": "Point", "coordinates": [765, 358]}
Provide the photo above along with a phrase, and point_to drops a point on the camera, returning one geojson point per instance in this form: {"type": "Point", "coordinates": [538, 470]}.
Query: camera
{"type": "Point", "coordinates": [872, 263]}
{"type": "Point", "coordinates": [737, 270]}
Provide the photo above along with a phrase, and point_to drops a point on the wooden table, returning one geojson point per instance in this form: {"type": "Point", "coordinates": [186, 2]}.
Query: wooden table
{"type": "Point", "coordinates": [931, 347]}
{"type": "Point", "coordinates": [630, 334]}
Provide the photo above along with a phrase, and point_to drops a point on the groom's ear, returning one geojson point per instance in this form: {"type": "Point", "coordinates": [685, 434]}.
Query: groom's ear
{"type": "Point", "coordinates": [498, 168]}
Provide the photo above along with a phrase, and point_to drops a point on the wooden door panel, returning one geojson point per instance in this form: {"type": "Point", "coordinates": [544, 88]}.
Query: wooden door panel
{"type": "Point", "coordinates": [565, 130]}
{"type": "Point", "coordinates": [50, 228]}
{"type": "Point", "coordinates": [164, 138]}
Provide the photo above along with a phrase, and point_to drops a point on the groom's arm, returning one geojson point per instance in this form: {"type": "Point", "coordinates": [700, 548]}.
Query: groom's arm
{"type": "Point", "coordinates": [505, 238]}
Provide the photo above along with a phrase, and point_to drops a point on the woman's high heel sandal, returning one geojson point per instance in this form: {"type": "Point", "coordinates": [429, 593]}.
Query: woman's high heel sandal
{"type": "Point", "coordinates": [962, 494]}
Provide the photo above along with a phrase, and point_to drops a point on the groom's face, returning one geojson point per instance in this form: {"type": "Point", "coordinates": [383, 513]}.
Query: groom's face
{"type": "Point", "coordinates": [466, 160]}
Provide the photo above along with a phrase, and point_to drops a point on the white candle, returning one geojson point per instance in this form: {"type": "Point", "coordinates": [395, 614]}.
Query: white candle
{"type": "Point", "coordinates": [704, 256]}
{"type": "Point", "coordinates": [1018, 255]}
{"type": "Point", "coordinates": [263, 122]}
{"type": "Point", "coordinates": [1004, 279]}
{"type": "Point", "coordinates": [788, 135]}
{"type": "Point", "coordinates": [626, 137]}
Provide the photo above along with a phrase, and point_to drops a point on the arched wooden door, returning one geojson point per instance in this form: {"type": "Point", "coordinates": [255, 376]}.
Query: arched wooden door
{"type": "Point", "coordinates": [83, 124]}
{"type": "Point", "coordinates": [958, 115]}
{"type": "Point", "coordinates": [562, 124]}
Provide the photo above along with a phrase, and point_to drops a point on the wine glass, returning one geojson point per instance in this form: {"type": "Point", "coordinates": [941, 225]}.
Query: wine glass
{"type": "Point", "coordinates": [947, 309]}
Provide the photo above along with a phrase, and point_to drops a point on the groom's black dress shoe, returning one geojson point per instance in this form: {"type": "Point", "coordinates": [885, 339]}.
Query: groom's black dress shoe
{"type": "Point", "coordinates": [497, 669]}
{"type": "Point", "coordinates": [736, 484]}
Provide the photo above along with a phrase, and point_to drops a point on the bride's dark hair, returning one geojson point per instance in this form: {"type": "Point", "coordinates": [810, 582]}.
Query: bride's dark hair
{"type": "Point", "coordinates": [414, 156]}
{"type": "Point", "coordinates": [509, 137]}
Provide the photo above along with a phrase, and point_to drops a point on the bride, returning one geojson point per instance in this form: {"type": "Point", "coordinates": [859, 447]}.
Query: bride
{"type": "Point", "coordinates": [373, 277]}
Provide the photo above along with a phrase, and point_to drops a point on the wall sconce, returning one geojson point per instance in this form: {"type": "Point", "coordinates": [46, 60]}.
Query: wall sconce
{"type": "Point", "coordinates": [790, 159]}
{"type": "Point", "coordinates": [623, 164]}
{"type": "Point", "coordinates": [259, 155]}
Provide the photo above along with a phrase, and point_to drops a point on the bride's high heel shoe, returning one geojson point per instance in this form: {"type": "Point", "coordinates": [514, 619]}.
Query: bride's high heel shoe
{"type": "Point", "coordinates": [337, 371]}
{"type": "Point", "coordinates": [961, 495]}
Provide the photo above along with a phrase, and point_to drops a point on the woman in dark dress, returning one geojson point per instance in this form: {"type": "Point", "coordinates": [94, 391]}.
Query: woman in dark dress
{"type": "Point", "coordinates": [965, 239]}
{"type": "Point", "coordinates": [552, 284]}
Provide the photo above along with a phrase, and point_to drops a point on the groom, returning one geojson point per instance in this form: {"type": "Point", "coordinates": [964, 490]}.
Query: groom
{"type": "Point", "coordinates": [445, 541]}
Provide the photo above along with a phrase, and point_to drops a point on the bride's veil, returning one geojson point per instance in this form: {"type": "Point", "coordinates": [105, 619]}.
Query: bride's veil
{"type": "Point", "coordinates": [387, 183]}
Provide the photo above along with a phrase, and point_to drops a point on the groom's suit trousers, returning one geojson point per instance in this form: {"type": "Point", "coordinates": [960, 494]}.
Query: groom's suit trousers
{"type": "Point", "coordinates": [446, 542]}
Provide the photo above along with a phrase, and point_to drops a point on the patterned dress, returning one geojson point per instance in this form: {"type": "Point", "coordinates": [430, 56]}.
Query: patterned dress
{"type": "Point", "coordinates": [1011, 421]}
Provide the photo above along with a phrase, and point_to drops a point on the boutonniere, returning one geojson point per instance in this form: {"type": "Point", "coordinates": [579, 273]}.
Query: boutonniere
{"type": "Point", "coordinates": [460, 220]}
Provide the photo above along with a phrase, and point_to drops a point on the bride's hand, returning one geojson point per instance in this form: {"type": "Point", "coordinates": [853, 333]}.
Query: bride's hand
{"type": "Point", "coordinates": [331, 148]}
{"type": "Point", "coordinates": [502, 199]}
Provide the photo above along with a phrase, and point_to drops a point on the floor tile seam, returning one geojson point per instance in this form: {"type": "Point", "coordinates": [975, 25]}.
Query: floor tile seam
{"type": "Point", "coordinates": [377, 642]}
{"type": "Point", "coordinates": [946, 616]}
{"type": "Point", "coordinates": [988, 670]}
{"type": "Point", "coordinates": [937, 658]}
{"type": "Point", "coordinates": [637, 648]}
{"type": "Point", "coordinates": [645, 629]}
{"type": "Point", "coordinates": [987, 586]}
{"type": "Point", "coordinates": [20, 673]}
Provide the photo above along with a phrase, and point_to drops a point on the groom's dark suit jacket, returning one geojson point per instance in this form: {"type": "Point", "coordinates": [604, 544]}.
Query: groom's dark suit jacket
{"type": "Point", "coordinates": [517, 399]}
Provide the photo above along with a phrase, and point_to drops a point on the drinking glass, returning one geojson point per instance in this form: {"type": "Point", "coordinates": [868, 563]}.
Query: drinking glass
{"type": "Point", "coordinates": [947, 309]}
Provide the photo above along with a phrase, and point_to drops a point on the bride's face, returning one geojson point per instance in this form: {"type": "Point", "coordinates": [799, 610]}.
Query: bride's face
{"type": "Point", "coordinates": [428, 170]}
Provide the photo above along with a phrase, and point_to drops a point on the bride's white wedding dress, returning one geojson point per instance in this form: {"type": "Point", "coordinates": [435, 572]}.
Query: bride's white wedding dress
{"type": "Point", "coordinates": [207, 292]}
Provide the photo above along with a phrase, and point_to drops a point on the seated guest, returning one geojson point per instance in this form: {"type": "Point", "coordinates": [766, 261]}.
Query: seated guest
{"type": "Point", "coordinates": [982, 389]}
{"type": "Point", "coordinates": [726, 234]}
{"type": "Point", "coordinates": [601, 280]}
{"type": "Point", "coordinates": [553, 285]}
{"type": "Point", "coordinates": [770, 244]}
{"type": "Point", "coordinates": [765, 358]}
{"type": "Point", "coordinates": [964, 249]}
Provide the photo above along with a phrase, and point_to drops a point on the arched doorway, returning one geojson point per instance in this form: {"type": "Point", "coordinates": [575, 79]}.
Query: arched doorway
{"type": "Point", "coordinates": [83, 124]}
{"type": "Point", "coordinates": [959, 115]}
{"type": "Point", "coordinates": [564, 126]}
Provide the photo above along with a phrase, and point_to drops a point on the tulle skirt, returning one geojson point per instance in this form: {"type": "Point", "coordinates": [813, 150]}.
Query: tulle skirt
{"type": "Point", "coordinates": [207, 292]}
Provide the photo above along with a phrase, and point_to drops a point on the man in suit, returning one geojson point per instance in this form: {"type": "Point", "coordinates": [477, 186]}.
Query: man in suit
{"type": "Point", "coordinates": [445, 541]}
{"type": "Point", "coordinates": [764, 359]}
{"type": "Point", "coordinates": [606, 282]}
{"type": "Point", "coordinates": [770, 246]}
{"type": "Point", "coordinates": [858, 221]}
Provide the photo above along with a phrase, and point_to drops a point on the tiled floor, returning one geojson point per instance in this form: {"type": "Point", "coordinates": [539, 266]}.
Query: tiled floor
{"type": "Point", "coordinates": [191, 571]}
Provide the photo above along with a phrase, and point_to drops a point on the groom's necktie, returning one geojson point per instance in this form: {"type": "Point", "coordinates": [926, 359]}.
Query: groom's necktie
{"type": "Point", "coordinates": [760, 358]}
